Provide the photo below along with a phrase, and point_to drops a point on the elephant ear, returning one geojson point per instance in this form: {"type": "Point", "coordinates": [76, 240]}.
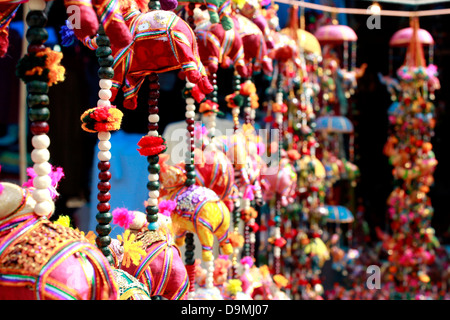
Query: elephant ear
{"type": "Point", "coordinates": [87, 25]}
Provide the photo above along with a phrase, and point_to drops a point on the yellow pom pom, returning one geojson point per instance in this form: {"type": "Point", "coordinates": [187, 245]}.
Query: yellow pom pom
{"type": "Point", "coordinates": [63, 221]}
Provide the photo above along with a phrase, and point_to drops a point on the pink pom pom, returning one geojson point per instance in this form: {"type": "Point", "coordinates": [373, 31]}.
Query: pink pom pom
{"type": "Point", "coordinates": [166, 207]}
{"type": "Point", "coordinates": [1, 188]}
{"type": "Point", "coordinates": [123, 217]}
{"type": "Point", "coordinates": [55, 175]}
{"type": "Point", "coordinates": [247, 261]}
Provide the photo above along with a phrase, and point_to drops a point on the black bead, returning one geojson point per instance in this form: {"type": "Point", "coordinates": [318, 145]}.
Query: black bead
{"type": "Point", "coordinates": [153, 159]}
{"type": "Point", "coordinates": [103, 241]}
{"type": "Point", "coordinates": [189, 182]}
{"type": "Point", "coordinates": [189, 254]}
{"type": "Point", "coordinates": [189, 167]}
{"type": "Point", "coordinates": [191, 175]}
{"type": "Point", "coordinates": [189, 262]}
{"type": "Point", "coordinates": [103, 40]}
{"type": "Point", "coordinates": [103, 51]}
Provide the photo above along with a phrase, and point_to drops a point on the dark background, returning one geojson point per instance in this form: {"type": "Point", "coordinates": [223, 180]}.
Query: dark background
{"type": "Point", "coordinates": [73, 148]}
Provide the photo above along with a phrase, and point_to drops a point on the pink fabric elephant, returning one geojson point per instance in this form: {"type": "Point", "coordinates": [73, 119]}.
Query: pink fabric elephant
{"type": "Point", "coordinates": [40, 260]}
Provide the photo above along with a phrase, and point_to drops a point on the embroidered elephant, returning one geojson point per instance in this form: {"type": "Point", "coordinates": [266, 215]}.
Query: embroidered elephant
{"type": "Point", "coordinates": [87, 25]}
{"type": "Point", "coordinates": [218, 46]}
{"type": "Point", "coordinates": [161, 42]}
{"type": "Point", "coordinates": [218, 10]}
{"type": "Point", "coordinates": [161, 270]}
{"type": "Point", "coordinates": [40, 260]}
{"type": "Point", "coordinates": [255, 49]}
{"type": "Point", "coordinates": [199, 210]}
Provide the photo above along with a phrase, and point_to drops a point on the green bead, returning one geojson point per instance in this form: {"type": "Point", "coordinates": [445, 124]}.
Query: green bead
{"type": "Point", "coordinates": [189, 262]}
{"type": "Point", "coordinates": [104, 218]}
{"type": "Point", "coordinates": [153, 159]}
{"type": "Point", "coordinates": [103, 51]}
{"type": "Point", "coordinates": [154, 168]}
{"type": "Point", "coordinates": [36, 86]}
{"type": "Point", "coordinates": [39, 114]}
{"type": "Point", "coordinates": [189, 182]}
{"type": "Point", "coordinates": [105, 72]}
{"type": "Point", "coordinates": [36, 35]}
{"type": "Point", "coordinates": [154, 5]}
{"type": "Point", "coordinates": [191, 175]}
{"type": "Point", "coordinates": [36, 18]}
{"type": "Point", "coordinates": [153, 185]}
{"type": "Point", "coordinates": [151, 210]}
{"type": "Point", "coordinates": [103, 229]}
{"type": "Point", "coordinates": [106, 251]}
{"type": "Point", "coordinates": [106, 61]}
{"type": "Point", "coordinates": [189, 167]}
{"type": "Point", "coordinates": [152, 218]}
{"type": "Point", "coordinates": [103, 241]}
{"type": "Point", "coordinates": [37, 100]}
{"type": "Point", "coordinates": [190, 247]}
{"type": "Point", "coordinates": [189, 254]}
{"type": "Point", "coordinates": [103, 40]}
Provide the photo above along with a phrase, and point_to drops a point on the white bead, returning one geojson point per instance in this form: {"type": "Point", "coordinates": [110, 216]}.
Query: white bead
{"type": "Point", "coordinates": [277, 252]}
{"type": "Point", "coordinates": [235, 111]}
{"type": "Point", "coordinates": [42, 169]}
{"type": "Point", "coordinates": [189, 84]}
{"type": "Point", "coordinates": [41, 141]}
{"type": "Point", "coordinates": [104, 155]}
{"type": "Point", "coordinates": [105, 94]}
{"type": "Point", "coordinates": [189, 114]}
{"type": "Point", "coordinates": [104, 145]}
{"type": "Point", "coordinates": [41, 195]}
{"type": "Point", "coordinates": [152, 202]}
{"type": "Point", "coordinates": [190, 107]}
{"type": "Point", "coordinates": [42, 182]}
{"type": "Point", "coordinates": [103, 103]}
{"type": "Point", "coordinates": [37, 5]}
{"type": "Point", "coordinates": [190, 101]}
{"type": "Point", "coordinates": [104, 135]}
{"type": "Point", "coordinates": [105, 83]}
{"type": "Point", "coordinates": [153, 194]}
{"type": "Point", "coordinates": [40, 155]}
{"type": "Point", "coordinates": [44, 208]}
{"type": "Point", "coordinates": [153, 118]}
{"type": "Point", "coordinates": [153, 177]}
{"type": "Point", "coordinates": [212, 124]}
{"type": "Point", "coordinates": [153, 133]}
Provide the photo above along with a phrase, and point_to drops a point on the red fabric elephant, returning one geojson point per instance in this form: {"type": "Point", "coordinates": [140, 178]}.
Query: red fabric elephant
{"type": "Point", "coordinates": [161, 42]}
{"type": "Point", "coordinates": [255, 49]}
{"type": "Point", "coordinates": [219, 47]}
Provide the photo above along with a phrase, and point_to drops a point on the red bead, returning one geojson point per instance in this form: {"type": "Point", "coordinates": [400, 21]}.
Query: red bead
{"type": "Point", "coordinates": [39, 127]}
{"type": "Point", "coordinates": [153, 77]}
{"type": "Point", "coordinates": [35, 48]}
{"type": "Point", "coordinates": [190, 120]}
{"type": "Point", "coordinates": [192, 148]}
{"type": "Point", "coordinates": [190, 127]}
{"type": "Point", "coordinates": [103, 207]}
{"type": "Point", "coordinates": [152, 126]}
{"type": "Point", "coordinates": [153, 94]}
{"type": "Point", "coordinates": [103, 165]}
{"type": "Point", "coordinates": [154, 86]}
{"type": "Point", "coordinates": [153, 103]}
{"type": "Point", "coordinates": [104, 176]}
{"type": "Point", "coordinates": [103, 196]}
{"type": "Point", "coordinates": [104, 186]}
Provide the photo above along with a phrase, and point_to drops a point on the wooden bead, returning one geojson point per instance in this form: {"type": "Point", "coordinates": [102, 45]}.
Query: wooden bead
{"type": "Point", "coordinates": [36, 35]}
{"type": "Point", "coordinates": [104, 176]}
{"type": "Point", "coordinates": [38, 114]}
{"type": "Point", "coordinates": [104, 217]}
{"type": "Point", "coordinates": [103, 196]}
{"type": "Point", "coordinates": [106, 61]}
{"type": "Point", "coordinates": [103, 165]}
{"type": "Point", "coordinates": [152, 126]}
{"type": "Point", "coordinates": [105, 72]}
{"type": "Point", "coordinates": [103, 241]}
{"type": "Point", "coordinates": [103, 229]}
{"type": "Point", "coordinates": [37, 100]}
{"type": "Point", "coordinates": [102, 51]}
{"type": "Point", "coordinates": [37, 87]}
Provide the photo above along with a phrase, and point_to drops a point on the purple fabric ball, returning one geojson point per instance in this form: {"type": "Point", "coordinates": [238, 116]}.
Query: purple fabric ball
{"type": "Point", "coordinates": [168, 4]}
